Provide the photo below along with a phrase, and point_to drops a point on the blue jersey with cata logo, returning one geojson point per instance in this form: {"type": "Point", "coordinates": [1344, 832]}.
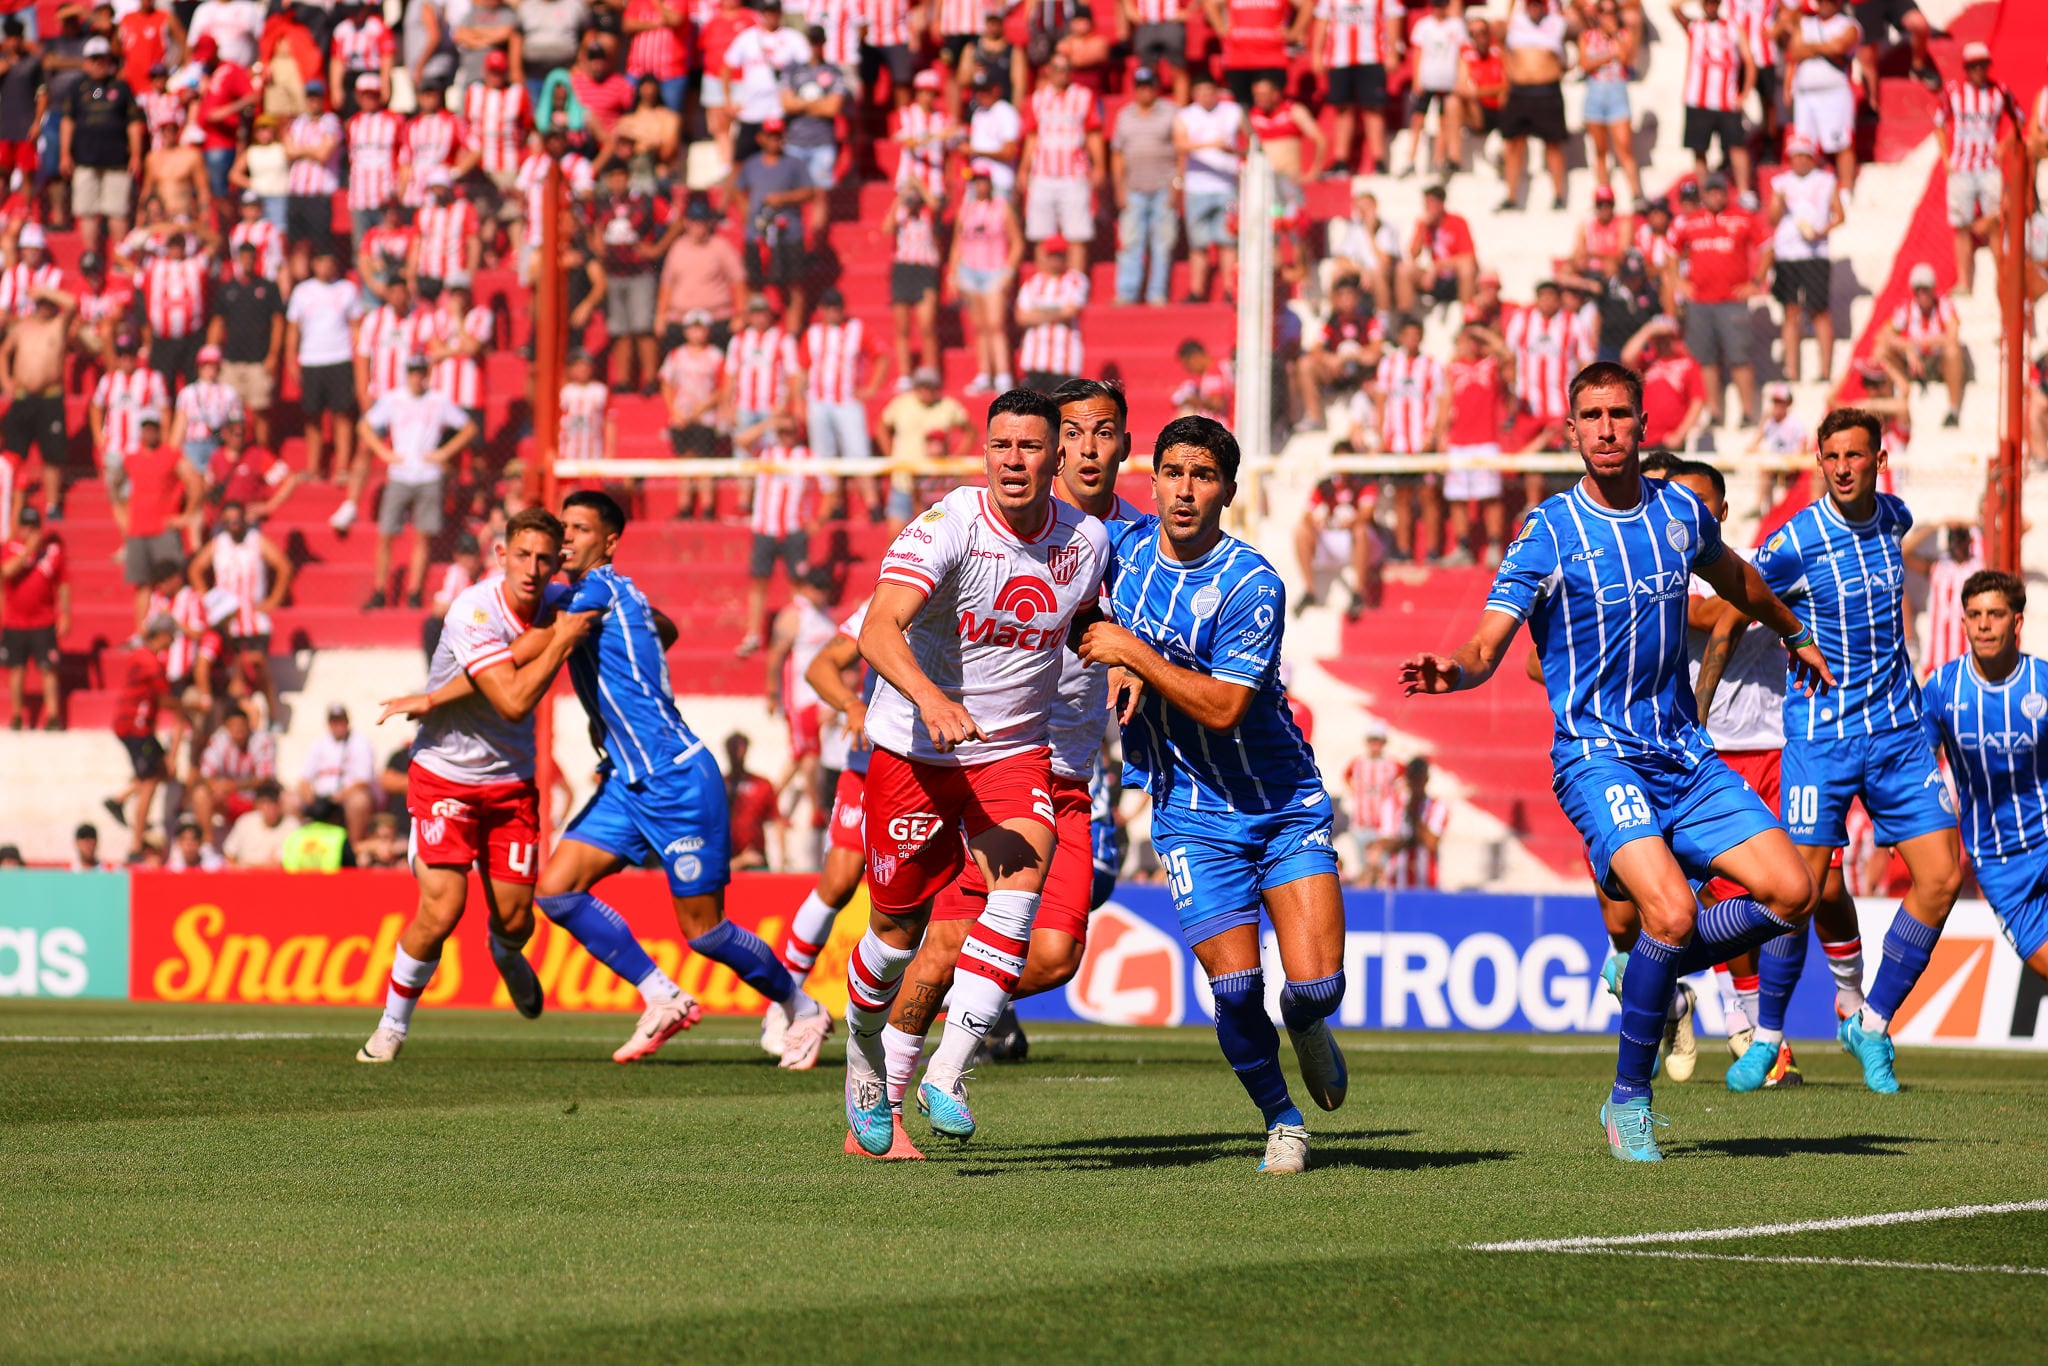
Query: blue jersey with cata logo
{"type": "Point", "coordinates": [1992, 732]}
{"type": "Point", "coordinates": [1604, 594]}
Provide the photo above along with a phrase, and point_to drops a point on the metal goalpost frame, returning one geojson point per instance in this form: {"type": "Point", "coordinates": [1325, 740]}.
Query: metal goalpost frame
{"type": "Point", "coordinates": [2004, 485]}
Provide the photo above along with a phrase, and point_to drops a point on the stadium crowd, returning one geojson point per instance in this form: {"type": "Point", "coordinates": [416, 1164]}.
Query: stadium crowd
{"type": "Point", "coordinates": [285, 217]}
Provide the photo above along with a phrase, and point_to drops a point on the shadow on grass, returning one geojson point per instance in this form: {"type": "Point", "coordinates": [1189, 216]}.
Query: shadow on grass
{"type": "Point", "coordinates": [1837, 1145]}
{"type": "Point", "coordinates": [1349, 1148]}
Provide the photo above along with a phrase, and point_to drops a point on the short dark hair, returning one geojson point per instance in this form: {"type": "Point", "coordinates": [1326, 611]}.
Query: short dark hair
{"type": "Point", "coordinates": [1846, 419]}
{"type": "Point", "coordinates": [1700, 469]}
{"type": "Point", "coordinates": [1081, 390]}
{"type": "Point", "coordinates": [1996, 581]}
{"type": "Point", "coordinates": [235, 503]}
{"type": "Point", "coordinates": [1026, 403]}
{"type": "Point", "coordinates": [609, 514]}
{"type": "Point", "coordinates": [1203, 433]}
{"type": "Point", "coordinates": [1606, 372]}
{"type": "Point", "coordinates": [1191, 347]}
{"type": "Point", "coordinates": [532, 519]}
{"type": "Point", "coordinates": [268, 790]}
{"type": "Point", "coordinates": [1657, 464]}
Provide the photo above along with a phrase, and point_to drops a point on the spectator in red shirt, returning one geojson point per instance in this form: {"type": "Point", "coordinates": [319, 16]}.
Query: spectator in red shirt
{"type": "Point", "coordinates": [1674, 394]}
{"type": "Point", "coordinates": [250, 475]}
{"type": "Point", "coordinates": [1717, 245]}
{"type": "Point", "coordinates": [225, 94]}
{"type": "Point", "coordinates": [1473, 409]}
{"type": "Point", "coordinates": [143, 690]}
{"type": "Point", "coordinates": [1446, 264]}
{"type": "Point", "coordinates": [35, 617]}
{"type": "Point", "coordinates": [753, 804]}
{"type": "Point", "coordinates": [146, 33]}
{"type": "Point", "coordinates": [165, 495]}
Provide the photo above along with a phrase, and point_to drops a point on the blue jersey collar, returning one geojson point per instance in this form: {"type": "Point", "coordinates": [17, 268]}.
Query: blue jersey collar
{"type": "Point", "coordinates": [1833, 513]}
{"type": "Point", "coordinates": [1167, 561]}
{"type": "Point", "coordinates": [1641, 508]}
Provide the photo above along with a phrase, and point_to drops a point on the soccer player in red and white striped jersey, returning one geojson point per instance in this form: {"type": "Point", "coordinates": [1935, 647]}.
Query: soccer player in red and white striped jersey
{"type": "Point", "coordinates": [1719, 75]}
{"type": "Point", "coordinates": [435, 140]}
{"type": "Point", "coordinates": [374, 138]}
{"type": "Point", "coordinates": [450, 238]}
{"type": "Point", "coordinates": [1049, 308]}
{"type": "Point", "coordinates": [1976, 118]}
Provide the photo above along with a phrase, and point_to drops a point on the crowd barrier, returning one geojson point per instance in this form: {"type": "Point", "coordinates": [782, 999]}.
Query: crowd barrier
{"type": "Point", "coordinates": [1413, 960]}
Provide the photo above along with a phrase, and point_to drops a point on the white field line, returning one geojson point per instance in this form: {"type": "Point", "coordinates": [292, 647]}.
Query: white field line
{"type": "Point", "coordinates": [163, 1038]}
{"type": "Point", "coordinates": [1805, 1261]}
{"type": "Point", "coordinates": [1721, 1235]}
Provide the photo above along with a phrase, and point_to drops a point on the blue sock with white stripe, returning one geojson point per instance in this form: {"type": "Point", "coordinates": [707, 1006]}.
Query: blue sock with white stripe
{"type": "Point", "coordinates": [1778, 966]}
{"type": "Point", "coordinates": [601, 930]}
{"type": "Point", "coordinates": [750, 958]}
{"type": "Point", "coordinates": [1645, 1000]}
{"type": "Point", "coordinates": [1726, 929]}
{"type": "Point", "coordinates": [1303, 1003]}
{"type": "Point", "coordinates": [1251, 1044]}
{"type": "Point", "coordinates": [1908, 945]}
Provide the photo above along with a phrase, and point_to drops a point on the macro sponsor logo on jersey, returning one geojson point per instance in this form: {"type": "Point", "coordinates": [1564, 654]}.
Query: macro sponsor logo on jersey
{"type": "Point", "coordinates": [63, 934]}
{"type": "Point", "coordinates": [1024, 598]}
{"type": "Point", "coordinates": [1132, 974]}
{"type": "Point", "coordinates": [1998, 741]}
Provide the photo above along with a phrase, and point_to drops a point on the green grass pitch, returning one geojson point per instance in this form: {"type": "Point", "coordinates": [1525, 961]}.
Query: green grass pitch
{"type": "Point", "coordinates": [506, 1193]}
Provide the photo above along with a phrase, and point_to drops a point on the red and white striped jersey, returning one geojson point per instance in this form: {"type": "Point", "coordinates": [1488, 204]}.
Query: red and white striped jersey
{"type": "Point", "coordinates": [238, 569]}
{"type": "Point", "coordinates": [842, 20]}
{"type": "Point", "coordinates": [1162, 11]}
{"type": "Point", "coordinates": [924, 135]}
{"type": "Point", "coordinates": [121, 397]}
{"type": "Point", "coordinates": [445, 232]}
{"type": "Point", "coordinates": [392, 246]}
{"type": "Point", "coordinates": [305, 175]}
{"type": "Point", "coordinates": [497, 122]}
{"type": "Point", "coordinates": [386, 339]}
{"type": "Point", "coordinates": [362, 44]}
{"type": "Point", "coordinates": [1946, 638]}
{"type": "Point", "coordinates": [662, 51]}
{"type": "Point", "coordinates": [1754, 20]}
{"type": "Point", "coordinates": [461, 378]}
{"type": "Point", "coordinates": [917, 240]}
{"type": "Point", "coordinates": [1059, 122]}
{"type": "Point", "coordinates": [207, 405]}
{"type": "Point", "coordinates": [960, 18]}
{"type": "Point", "coordinates": [186, 607]}
{"type": "Point", "coordinates": [983, 232]}
{"type": "Point", "coordinates": [1408, 414]}
{"type": "Point", "coordinates": [835, 359]}
{"type": "Point", "coordinates": [888, 23]}
{"type": "Point", "coordinates": [19, 283]}
{"type": "Point", "coordinates": [1655, 246]}
{"type": "Point", "coordinates": [1923, 327]}
{"type": "Point", "coordinates": [163, 114]}
{"type": "Point", "coordinates": [430, 144]}
{"type": "Point", "coordinates": [1054, 348]}
{"type": "Point", "coordinates": [1548, 351]}
{"type": "Point", "coordinates": [1355, 32]}
{"type": "Point", "coordinates": [583, 412]}
{"type": "Point", "coordinates": [578, 180]}
{"type": "Point", "coordinates": [174, 295]}
{"type": "Point", "coordinates": [781, 501]}
{"type": "Point", "coordinates": [761, 360]}
{"type": "Point", "coordinates": [117, 300]}
{"type": "Point", "coordinates": [1972, 115]}
{"type": "Point", "coordinates": [1371, 781]}
{"type": "Point", "coordinates": [267, 238]}
{"type": "Point", "coordinates": [1414, 866]}
{"type": "Point", "coordinates": [226, 759]}
{"type": "Point", "coordinates": [1713, 65]}
{"type": "Point", "coordinates": [373, 142]}
{"type": "Point", "coordinates": [693, 374]}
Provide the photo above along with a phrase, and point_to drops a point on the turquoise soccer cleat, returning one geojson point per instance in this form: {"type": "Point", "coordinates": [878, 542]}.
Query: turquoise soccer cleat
{"type": "Point", "coordinates": [947, 1109]}
{"type": "Point", "coordinates": [1631, 1129]}
{"type": "Point", "coordinates": [1611, 971]}
{"type": "Point", "coordinates": [1753, 1068]}
{"type": "Point", "coordinates": [868, 1116]}
{"type": "Point", "coordinates": [1873, 1050]}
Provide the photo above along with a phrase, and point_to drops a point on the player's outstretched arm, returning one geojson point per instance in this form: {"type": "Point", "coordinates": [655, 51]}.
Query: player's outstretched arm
{"type": "Point", "coordinates": [1216, 703]}
{"type": "Point", "coordinates": [887, 650]}
{"type": "Point", "coordinates": [1469, 666]}
{"type": "Point", "coordinates": [1738, 581]}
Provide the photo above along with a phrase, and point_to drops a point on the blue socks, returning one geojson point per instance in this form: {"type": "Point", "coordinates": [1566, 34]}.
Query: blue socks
{"type": "Point", "coordinates": [1908, 945]}
{"type": "Point", "coordinates": [598, 928]}
{"type": "Point", "coordinates": [1724, 930]}
{"type": "Point", "coordinates": [751, 960]}
{"type": "Point", "coordinates": [1303, 1003]}
{"type": "Point", "coordinates": [1777, 971]}
{"type": "Point", "coordinates": [1251, 1044]}
{"type": "Point", "coordinates": [1645, 1001]}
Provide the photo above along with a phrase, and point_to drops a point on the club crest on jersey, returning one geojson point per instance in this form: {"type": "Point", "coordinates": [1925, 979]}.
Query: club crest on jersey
{"type": "Point", "coordinates": [2034, 706]}
{"type": "Point", "coordinates": [1206, 600]}
{"type": "Point", "coordinates": [432, 830]}
{"type": "Point", "coordinates": [882, 868]}
{"type": "Point", "coordinates": [1063, 562]}
{"type": "Point", "coordinates": [1677, 535]}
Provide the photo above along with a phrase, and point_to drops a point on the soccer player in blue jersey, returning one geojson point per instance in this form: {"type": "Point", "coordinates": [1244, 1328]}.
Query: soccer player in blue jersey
{"type": "Point", "coordinates": [1838, 563]}
{"type": "Point", "coordinates": [661, 795]}
{"type": "Point", "coordinates": [1600, 573]}
{"type": "Point", "coordinates": [1239, 814]}
{"type": "Point", "coordinates": [1987, 710]}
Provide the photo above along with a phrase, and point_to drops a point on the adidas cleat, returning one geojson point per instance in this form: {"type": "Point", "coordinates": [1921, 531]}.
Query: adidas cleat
{"type": "Point", "coordinates": [383, 1045]}
{"type": "Point", "coordinates": [522, 985]}
{"type": "Point", "coordinates": [774, 1021]}
{"type": "Point", "coordinates": [946, 1108]}
{"type": "Point", "coordinates": [1785, 1071]}
{"type": "Point", "coordinates": [1286, 1150]}
{"type": "Point", "coordinates": [901, 1149]}
{"type": "Point", "coordinates": [804, 1037]}
{"type": "Point", "coordinates": [1322, 1064]}
{"type": "Point", "coordinates": [1872, 1049]}
{"type": "Point", "coordinates": [1631, 1129]}
{"type": "Point", "coordinates": [659, 1023]}
{"type": "Point", "coordinates": [1681, 1048]}
{"type": "Point", "coordinates": [1750, 1071]}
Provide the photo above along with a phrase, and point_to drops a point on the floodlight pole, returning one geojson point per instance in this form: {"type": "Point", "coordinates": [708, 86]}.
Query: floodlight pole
{"type": "Point", "coordinates": [1253, 418]}
{"type": "Point", "coordinates": [2002, 495]}
{"type": "Point", "coordinates": [550, 343]}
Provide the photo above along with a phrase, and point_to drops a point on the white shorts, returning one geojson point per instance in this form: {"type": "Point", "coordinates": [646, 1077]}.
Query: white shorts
{"type": "Point", "coordinates": [839, 431]}
{"type": "Point", "coordinates": [711, 92]}
{"type": "Point", "coordinates": [1826, 116]}
{"type": "Point", "coordinates": [1973, 195]}
{"type": "Point", "coordinates": [1065, 207]}
{"type": "Point", "coordinates": [1469, 485]}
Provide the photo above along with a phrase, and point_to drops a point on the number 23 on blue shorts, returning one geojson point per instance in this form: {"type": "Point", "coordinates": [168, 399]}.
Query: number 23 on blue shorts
{"type": "Point", "coordinates": [1701, 812]}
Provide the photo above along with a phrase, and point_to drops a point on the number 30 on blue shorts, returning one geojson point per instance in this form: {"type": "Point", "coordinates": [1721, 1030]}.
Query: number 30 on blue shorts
{"type": "Point", "coordinates": [1701, 812]}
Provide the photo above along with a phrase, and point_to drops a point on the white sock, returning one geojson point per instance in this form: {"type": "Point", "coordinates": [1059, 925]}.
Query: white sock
{"type": "Point", "coordinates": [991, 961]}
{"type": "Point", "coordinates": [409, 978]}
{"type": "Point", "coordinates": [802, 1005]}
{"type": "Point", "coordinates": [657, 987]}
{"type": "Point", "coordinates": [1845, 961]}
{"type": "Point", "coordinates": [902, 1050]}
{"type": "Point", "coordinates": [873, 973]}
{"type": "Point", "coordinates": [1769, 1035]}
{"type": "Point", "coordinates": [808, 930]}
{"type": "Point", "coordinates": [1873, 1022]}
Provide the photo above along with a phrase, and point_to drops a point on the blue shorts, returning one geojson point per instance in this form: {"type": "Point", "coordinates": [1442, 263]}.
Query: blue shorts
{"type": "Point", "coordinates": [1895, 772]}
{"type": "Point", "coordinates": [1701, 812]}
{"type": "Point", "coordinates": [1218, 866]}
{"type": "Point", "coordinates": [1606, 102]}
{"type": "Point", "coordinates": [679, 816]}
{"type": "Point", "coordinates": [2017, 889]}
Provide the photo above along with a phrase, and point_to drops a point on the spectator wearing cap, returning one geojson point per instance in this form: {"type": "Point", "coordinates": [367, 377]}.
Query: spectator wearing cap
{"type": "Point", "coordinates": [1674, 391]}
{"type": "Point", "coordinates": [227, 95]}
{"type": "Point", "coordinates": [777, 188]}
{"type": "Point", "coordinates": [1922, 335]}
{"type": "Point", "coordinates": [114, 415]}
{"type": "Point", "coordinates": [144, 688]}
{"type": "Point", "coordinates": [263, 168]}
{"type": "Point", "coordinates": [924, 424]}
{"type": "Point", "coordinates": [203, 407]}
{"type": "Point", "coordinates": [1481, 95]}
{"type": "Point", "coordinates": [987, 249]}
{"type": "Point", "coordinates": [755, 62]}
{"type": "Point", "coordinates": [32, 354]}
{"type": "Point", "coordinates": [814, 98]}
{"type": "Point", "coordinates": [1607, 50]}
{"type": "Point", "coordinates": [1782, 431]}
{"type": "Point", "coordinates": [1143, 165]}
{"type": "Point", "coordinates": [1209, 136]}
{"type": "Point", "coordinates": [1977, 120]}
{"type": "Point", "coordinates": [320, 318]}
{"type": "Point", "coordinates": [465, 567]}
{"type": "Point", "coordinates": [1049, 306]}
{"type": "Point", "coordinates": [165, 498]}
{"type": "Point", "coordinates": [101, 147]}
{"type": "Point", "coordinates": [1368, 247]}
{"type": "Point", "coordinates": [912, 226]}
{"type": "Point", "coordinates": [1818, 49]}
{"type": "Point", "coordinates": [35, 615]}
{"type": "Point", "coordinates": [1534, 41]}
{"type": "Point", "coordinates": [693, 381]}
{"type": "Point", "coordinates": [1722, 261]}
{"type": "Point", "coordinates": [1064, 157]}
{"type": "Point", "coordinates": [247, 331]}
{"type": "Point", "coordinates": [1442, 252]}
{"type": "Point", "coordinates": [25, 267]}
{"type": "Point", "coordinates": [841, 376]}
{"type": "Point", "coordinates": [409, 430]}
{"type": "Point", "coordinates": [341, 767]}
{"type": "Point", "coordinates": [702, 273]}
{"type": "Point", "coordinates": [628, 227]}
{"type": "Point", "coordinates": [313, 141]}
{"type": "Point", "coordinates": [1436, 39]}
{"type": "Point", "coordinates": [1804, 208]}
{"type": "Point", "coordinates": [995, 132]}
{"type": "Point", "coordinates": [1598, 244]}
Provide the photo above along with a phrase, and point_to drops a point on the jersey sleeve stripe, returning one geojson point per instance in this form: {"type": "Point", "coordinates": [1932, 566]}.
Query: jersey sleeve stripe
{"type": "Point", "coordinates": [910, 578]}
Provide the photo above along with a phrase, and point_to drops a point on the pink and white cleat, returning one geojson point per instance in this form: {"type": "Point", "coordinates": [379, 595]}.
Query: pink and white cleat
{"type": "Point", "coordinates": [803, 1038]}
{"type": "Point", "coordinates": [659, 1023]}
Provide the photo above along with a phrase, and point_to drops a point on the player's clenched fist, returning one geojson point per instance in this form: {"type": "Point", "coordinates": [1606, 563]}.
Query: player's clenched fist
{"type": "Point", "coordinates": [1431, 674]}
{"type": "Point", "coordinates": [571, 627]}
{"type": "Point", "coordinates": [949, 724]}
{"type": "Point", "coordinates": [1105, 642]}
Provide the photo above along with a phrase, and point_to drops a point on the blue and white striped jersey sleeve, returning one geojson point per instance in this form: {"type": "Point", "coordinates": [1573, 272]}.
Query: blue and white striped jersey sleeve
{"type": "Point", "coordinates": [1707, 545]}
{"type": "Point", "coordinates": [1528, 572]}
{"type": "Point", "coordinates": [1898, 518]}
{"type": "Point", "coordinates": [1245, 645]}
{"type": "Point", "coordinates": [591, 593]}
{"type": "Point", "coordinates": [1781, 563]}
{"type": "Point", "coordinates": [1934, 696]}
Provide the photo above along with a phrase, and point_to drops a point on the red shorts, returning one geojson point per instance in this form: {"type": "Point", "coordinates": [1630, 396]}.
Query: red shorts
{"type": "Point", "coordinates": [1758, 768]}
{"type": "Point", "coordinates": [915, 814]}
{"type": "Point", "coordinates": [464, 824]}
{"type": "Point", "coordinates": [1069, 881]}
{"type": "Point", "coordinates": [803, 732]}
{"type": "Point", "coordinates": [846, 811]}
{"type": "Point", "coordinates": [24, 157]}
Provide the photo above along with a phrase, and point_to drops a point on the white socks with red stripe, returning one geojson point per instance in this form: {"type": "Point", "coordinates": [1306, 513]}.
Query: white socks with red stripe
{"type": "Point", "coordinates": [1845, 961]}
{"type": "Point", "coordinates": [809, 928]}
{"type": "Point", "coordinates": [409, 977]}
{"type": "Point", "coordinates": [873, 973]}
{"type": "Point", "coordinates": [902, 1051]}
{"type": "Point", "coordinates": [991, 961]}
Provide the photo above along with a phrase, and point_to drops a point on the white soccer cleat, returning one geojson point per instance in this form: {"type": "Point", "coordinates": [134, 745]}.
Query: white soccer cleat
{"type": "Point", "coordinates": [659, 1023]}
{"type": "Point", "coordinates": [803, 1039]}
{"type": "Point", "coordinates": [1322, 1064]}
{"type": "Point", "coordinates": [1681, 1041]}
{"type": "Point", "coordinates": [1286, 1150]}
{"type": "Point", "coordinates": [344, 516]}
{"type": "Point", "coordinates": [1740, 1040]}
{"type": "Point", "coordinates": [773, 1026]}
{"type": "Point", "coordinates": [383, 1045]}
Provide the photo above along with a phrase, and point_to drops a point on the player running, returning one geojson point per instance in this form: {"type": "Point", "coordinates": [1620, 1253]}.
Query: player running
{"type": "Point", "coordinates": [1838, 561]}
{"type": "Point", "coordinates": [1987, 709]}
{"type": "Point", "coordinates": [660, 795]}
{"type": "Point", "coordinates": [1600, 573]}
{"type": "Point", "coordinates": [470, 788]}
{"type": "Point", "coordinates": [966, 628]}
{"type": "Point", "coordinates": [1094, 442]}
{"type": "Point", "coordinates": [1239, 814]}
